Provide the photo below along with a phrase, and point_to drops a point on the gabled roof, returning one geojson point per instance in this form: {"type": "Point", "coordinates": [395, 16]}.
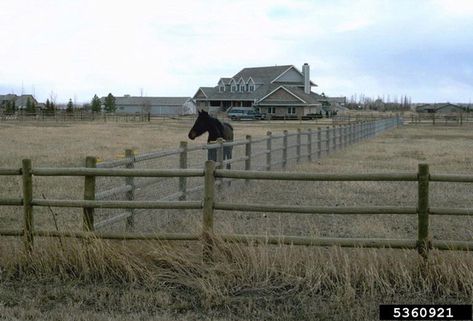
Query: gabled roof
{"type": "Point", "coordinates": [154, 101]}
{"type": "Point", "coordinates": [262, 75]}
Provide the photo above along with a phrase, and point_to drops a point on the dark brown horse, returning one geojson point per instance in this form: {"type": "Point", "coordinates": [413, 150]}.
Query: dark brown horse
{"type": "Point", "coordinates": [216, 129]}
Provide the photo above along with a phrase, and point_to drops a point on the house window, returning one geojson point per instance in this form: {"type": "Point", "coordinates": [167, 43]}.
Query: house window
{"type": "Point", "coordinates": [233, 88]}
{"type": "Point", "coordinates": [221, 88]}
{"type": "Point", "coordinates": [242, 88]}
{"type": "Point", "coordinates": [291, 110]}
{"type": "Point", "coordinates": [271, 110]}
{"type": "Point", "coordinates": [252, 88]}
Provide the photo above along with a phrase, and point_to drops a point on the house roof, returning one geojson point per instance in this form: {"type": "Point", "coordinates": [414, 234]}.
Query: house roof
{"type": "Point", "coordinates": [437, 106]}
{"type": "Point", "coordinates": [152, 101]}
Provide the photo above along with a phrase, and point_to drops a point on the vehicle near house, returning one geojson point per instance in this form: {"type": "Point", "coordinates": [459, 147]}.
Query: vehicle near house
{"type": "Point", "coordinates": [245, 114]}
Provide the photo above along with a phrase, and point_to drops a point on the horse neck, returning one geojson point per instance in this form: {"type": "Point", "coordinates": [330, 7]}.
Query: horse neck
{"type": "Point", "coordinates": [214, 130]}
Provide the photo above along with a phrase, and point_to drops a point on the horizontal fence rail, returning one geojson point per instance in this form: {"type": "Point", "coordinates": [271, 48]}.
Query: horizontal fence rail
{"type": "Point", "coordinates": [209, 204]}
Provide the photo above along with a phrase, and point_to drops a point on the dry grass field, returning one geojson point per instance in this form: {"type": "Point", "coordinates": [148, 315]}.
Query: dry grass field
{"type": "Point", "coordinates": [106, 280]}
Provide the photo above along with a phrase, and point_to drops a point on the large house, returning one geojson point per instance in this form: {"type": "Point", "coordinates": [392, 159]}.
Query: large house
{"type": "Point", "coordinates": [440, 108]}
{"type": "Point", "coordinates": [20, 102]}
{"type": "Point", "coordinates": [276, 91]}
{"type": "Point", "coordinates": [156, 106]}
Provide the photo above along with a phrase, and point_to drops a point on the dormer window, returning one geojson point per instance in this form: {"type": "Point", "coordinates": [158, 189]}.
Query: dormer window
{"type": "Point", "coordinates": [250, 85]}
{"type": "Point", "coordinates": [221, 88]}
{"type": "Point", "coordinates": [233, 86]}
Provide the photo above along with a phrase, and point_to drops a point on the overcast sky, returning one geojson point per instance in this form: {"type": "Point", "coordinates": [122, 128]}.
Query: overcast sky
{"type": "Point", "coordinates": [78, 48]}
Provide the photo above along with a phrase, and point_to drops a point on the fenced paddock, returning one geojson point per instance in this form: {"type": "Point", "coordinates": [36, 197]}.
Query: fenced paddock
{"type": "Point", "coordinates": [275, 151]}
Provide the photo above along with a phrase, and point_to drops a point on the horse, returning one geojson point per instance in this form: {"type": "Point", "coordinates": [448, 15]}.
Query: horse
{"type": "Point", "coordinates": [216, 129]}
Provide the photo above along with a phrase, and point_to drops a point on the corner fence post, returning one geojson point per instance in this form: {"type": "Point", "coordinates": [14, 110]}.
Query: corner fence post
{"type": "Point", "coordinates": [28, 227]}
{"type": "Point", "coordinates": [183, 165]}
{"type": "Point", "coordinates": [268, 151]}
{"type": "Point", "coordinates": [89, 194]}
{"type": "Point", "coordinates": [130, 195]}
{"type": "Point", "coordinates": [208, 210]}
{"type": "Point", "coordinates": [248, 155]}
{"type": "Point", "coordinates": [423, 240]}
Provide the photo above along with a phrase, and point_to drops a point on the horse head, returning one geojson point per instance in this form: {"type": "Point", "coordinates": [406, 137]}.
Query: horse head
{"type": "Point", "coordinates": [201, 125]}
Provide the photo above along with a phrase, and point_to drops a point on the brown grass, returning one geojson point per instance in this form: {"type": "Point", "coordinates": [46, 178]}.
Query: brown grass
{"type": "Point", "coordinates": [97, 280]}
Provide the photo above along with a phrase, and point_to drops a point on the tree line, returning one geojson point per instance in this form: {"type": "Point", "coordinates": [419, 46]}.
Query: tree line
{"type": "Point", "coordinates": [95, 105]}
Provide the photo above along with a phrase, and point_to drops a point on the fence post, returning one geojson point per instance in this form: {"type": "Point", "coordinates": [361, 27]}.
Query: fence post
{"type": "Point", "coordinates": [208, 211]}
{"type": "Point", "coordinates": [423, 240]}
{"type": "Point", "coordinates": [284, 149]}
{"type": "Point", "coordinates": [309, 143]}
{"type": "Point", "coordinates": [327, 136]}
{"type": "Point", "coordinates": [130, 195]}
{"type": "Point", "coordinates": [298, 145]}
{"type": "Point", "coordinates": [319, 143]}
{"type": "Point", "coordinates": [183, 165]}
{"type": "Point", "coordinates": [248, 155]}
{"type": "Point", "coordinates": [220, 158]}
{"type": "Point", "coordinates": [28, 237]}
{"type": "Point", "coordinates": [268, 151]}
{"type": "Point", "coordinates": [334, 128]}
{"type": "Point", "coordinates": [89, 194]}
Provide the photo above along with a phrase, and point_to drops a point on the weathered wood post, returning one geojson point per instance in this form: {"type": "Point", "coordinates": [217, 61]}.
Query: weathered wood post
{"type": "Point", "coordinates": [423, 240]}
{"type": "Point", "coordinates": [340, 136]}
{"type": "Point", "coordinates": [208, 210]}
{"type": "Point", "coordinates": [183, 165]}
{"type": "Point", "coordinates": [28, 227]}
{"type": "Point", "coordinates": [284, 149]}
{"type": "Point", "coordinates": [219, 164]}
{"type": "Point", "coordinates": [309, 143]}
{"type": "Point", "coordinates": [298, 145]}
{"type": "Point", "coordinates": [319, 143]}
{"type": "Point", "coordinates": [334, 128]}
{"type": "Point", "coordinates": [248, 155]}
{"type": "Point", "coordinates": [327, 138]}
{"type": "Point", "coordinates": [130, 195]}
{"type": "Point", "coordinates": [89, 194]}
{"type": "Point", "coordinates": [268, 151]}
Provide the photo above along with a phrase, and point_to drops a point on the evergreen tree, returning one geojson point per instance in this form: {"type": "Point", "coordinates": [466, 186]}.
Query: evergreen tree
{"type": "Point", "coordinates": [110, 106]}
{"type": "Point", "coordinates": [70, 106]}
{"type": "Point", "coordinates": [8, 107]}
{"type": "Point", "coordinates": [29, 106]}
{"type": "Point", "coordinates": [96, 104]}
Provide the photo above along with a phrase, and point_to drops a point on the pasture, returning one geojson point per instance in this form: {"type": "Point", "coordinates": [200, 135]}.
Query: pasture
{"type": "Point", "coordinates": [152, 280]}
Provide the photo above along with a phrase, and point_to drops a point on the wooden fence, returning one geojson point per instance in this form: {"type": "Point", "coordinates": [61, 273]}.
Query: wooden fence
{"type": "Point", "coordinates": [209, 204]}
{"type": "Point", "coordinates": [439, 119]}
{"type": "Point", "coordinates": [267, 153]}
{"type": "Point", "coordinates": [75, 116]}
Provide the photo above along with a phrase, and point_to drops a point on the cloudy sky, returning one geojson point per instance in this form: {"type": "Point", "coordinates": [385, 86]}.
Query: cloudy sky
{"type": "Point", "coordinates": [78, 48]}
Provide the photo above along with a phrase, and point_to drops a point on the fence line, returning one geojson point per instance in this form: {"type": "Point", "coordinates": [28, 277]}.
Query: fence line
{"type": "Point", "coordinates": [208, 204]}
{"type": "Point", "coordinates": [435, 119]}
{"type": "Point", "coordinates": [276, 150]}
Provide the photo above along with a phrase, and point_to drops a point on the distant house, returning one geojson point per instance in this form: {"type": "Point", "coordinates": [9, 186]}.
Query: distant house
{"type": "Point", "coordinates": [20, 101]}
{"type": "Point", "coordinates": [277, 90]}
{"type": "Point", "coordinates": [440, 108]}
{"type": "Point", "coordinates": [156, 106]}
